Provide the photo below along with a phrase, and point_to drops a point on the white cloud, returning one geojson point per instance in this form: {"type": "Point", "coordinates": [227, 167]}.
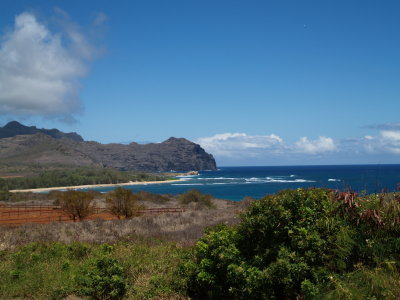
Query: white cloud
{"type": "Point", "coordinates": [233, 144]}
{"type": "Point", "coordinates": [242, 148]}
{"type": "Point", "coordinates": [390, 141]}
{"type": "Point", "coordinates": [39, 70]}
{"type": "Point", "coordinates": [390, 135]}
{"type": "Point", "coordinates": [242, 145]}
{"type": "Point", "coordinates": [387, 142]}
{"type": "Point", "coordinates": [320, 145]}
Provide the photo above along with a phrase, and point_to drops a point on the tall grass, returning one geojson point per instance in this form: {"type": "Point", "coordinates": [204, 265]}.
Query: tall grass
{"type": "Point", "coordinates": [52, 270]}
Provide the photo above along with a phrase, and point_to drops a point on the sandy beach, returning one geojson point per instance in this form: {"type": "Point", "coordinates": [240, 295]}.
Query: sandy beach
{"type": "Point", "coordinates": [74, 187]}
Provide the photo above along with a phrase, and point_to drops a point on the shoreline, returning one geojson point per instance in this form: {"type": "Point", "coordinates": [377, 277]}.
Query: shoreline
{"type": "Point", "coordinates": [76, 187]}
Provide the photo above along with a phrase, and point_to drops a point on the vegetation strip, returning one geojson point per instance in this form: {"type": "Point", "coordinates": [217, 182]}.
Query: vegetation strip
{"type": "Point", "coordinates": [76, 177]}
{"type": "Point", "coordinates": [94, 186]}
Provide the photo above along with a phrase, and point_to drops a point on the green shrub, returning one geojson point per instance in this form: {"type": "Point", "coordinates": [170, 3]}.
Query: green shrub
{"type": "Point", "coordinates": [103, 278]}
{"type": "Point", "coordinates": [78, 250]}
{"type": "Point", "coordinates": [288, 246]}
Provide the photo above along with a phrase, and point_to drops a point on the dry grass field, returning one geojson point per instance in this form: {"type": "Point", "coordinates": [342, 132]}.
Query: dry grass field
{"type": "Point", "coordinates": [48, 223]}
{"type": "Point", "coordinates": [13, 215]}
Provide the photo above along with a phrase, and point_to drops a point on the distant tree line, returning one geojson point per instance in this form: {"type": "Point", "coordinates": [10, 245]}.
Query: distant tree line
{"type": "Point", "coordinates": [78, 176]}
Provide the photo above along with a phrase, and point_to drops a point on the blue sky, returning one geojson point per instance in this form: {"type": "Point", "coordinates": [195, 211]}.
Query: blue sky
{"type": "Point", "coordinates": [254, 82]}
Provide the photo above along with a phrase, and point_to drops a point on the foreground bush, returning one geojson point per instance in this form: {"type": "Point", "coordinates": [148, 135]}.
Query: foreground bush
{"type": "Point", "coordinates": [103, 277]}
{"type": "Point", "coordinates": [295, 244]}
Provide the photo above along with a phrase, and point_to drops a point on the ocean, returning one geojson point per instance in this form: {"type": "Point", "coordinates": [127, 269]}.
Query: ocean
{"type": "Point", "coordinates": [235, 183]}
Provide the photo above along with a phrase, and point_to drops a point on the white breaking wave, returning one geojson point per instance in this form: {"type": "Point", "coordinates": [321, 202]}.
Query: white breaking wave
{"type": "Point", "coordinates": [254, 179]}
{"type": "Point", "coordinates": [275, 180]}
{"type": "Point", "coordinates": [187, 184]}
{"type": "Point", "coordinates": [185, 179]}
{"type": "Point", "coordinates": [238, 180]}
{"type": "Point", "coordinates": [218, 178]}
{"type": "Point", "coordinates": [290, 181]}
{"type": "Point", "coordinates": [333, 179]}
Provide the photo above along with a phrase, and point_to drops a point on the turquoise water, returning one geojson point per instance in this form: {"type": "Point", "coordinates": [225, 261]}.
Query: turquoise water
{"type": "Point", "coordinates": [234, 183]}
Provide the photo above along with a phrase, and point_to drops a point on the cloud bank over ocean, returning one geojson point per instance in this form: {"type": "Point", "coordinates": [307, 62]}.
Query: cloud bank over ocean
{"type": "Point", "coordinates": [233, 148]}
{"type": "Point", "coordinates": [40, 69]}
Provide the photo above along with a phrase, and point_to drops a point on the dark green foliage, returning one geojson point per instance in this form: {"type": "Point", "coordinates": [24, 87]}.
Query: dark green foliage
{"type": "Point", "coordinates": [196, 197]}
{"type": "Point", "coordinates": [72, 177]}
{"type": "Point", "coordinates": [23, 196]}
{"type": "Point", "coordinates": [123, 203]}
{"type": "Point", "coordinates": [289, 245]}
{"type": "Point", "coordinates": [78, 250]}
{"type": "Point", "coordinates": [103, 278]}
{"type": "Point", "coordinates": [215, 252]}
{"type": "Point", "coordinates": [5, 195]}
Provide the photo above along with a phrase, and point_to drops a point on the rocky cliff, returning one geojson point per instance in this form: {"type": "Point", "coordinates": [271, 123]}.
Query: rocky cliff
{"type": "Point", "coordinates": [172, 154]}
{"type": "Point", "coordinates": [42, 148]}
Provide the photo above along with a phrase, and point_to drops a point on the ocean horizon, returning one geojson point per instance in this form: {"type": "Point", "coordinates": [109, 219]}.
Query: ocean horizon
{"type": "Point", "coordinates": [234, 183]}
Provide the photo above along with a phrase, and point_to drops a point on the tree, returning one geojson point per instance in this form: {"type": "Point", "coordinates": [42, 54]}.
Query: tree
{"type": "Point", "coordinates": [77, 204]}
{"type": "Point", "coordinates": [284, 247]}
{"type": "Point", "coordinates": [123, 203]}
